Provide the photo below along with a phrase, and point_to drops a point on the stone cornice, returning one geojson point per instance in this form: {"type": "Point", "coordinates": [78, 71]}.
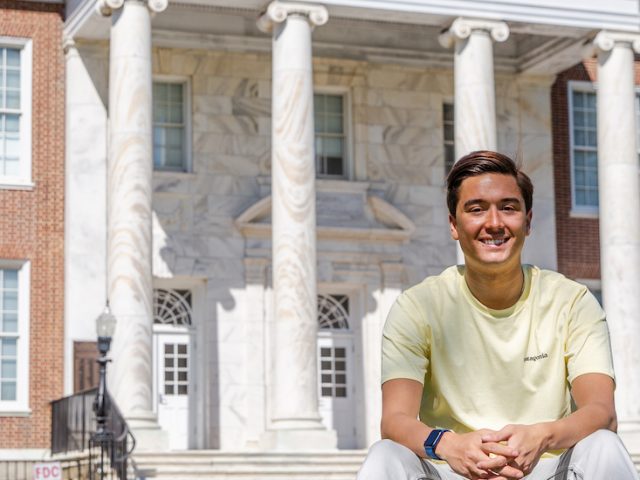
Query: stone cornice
{"type": "Point", "coordinates": [461, 28]}
{"type": "Point", "coordinates": [277, 12]}
{"type": "Point", "coordinates": [106, 7]}
{"type": "Point", "coordinates": [605, 40]}
{"type": "Point", "coordinates": [255, 223]}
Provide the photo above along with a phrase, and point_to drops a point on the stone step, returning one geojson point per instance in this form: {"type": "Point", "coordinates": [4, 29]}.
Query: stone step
{"type": "Point", "coordinates": [214, 465]}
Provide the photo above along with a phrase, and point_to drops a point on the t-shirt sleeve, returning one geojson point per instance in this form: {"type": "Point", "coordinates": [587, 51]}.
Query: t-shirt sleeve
{"type": "Point", "coordinates": [588, 347]}
{"type": "Point", "coordinates": [405, 343]}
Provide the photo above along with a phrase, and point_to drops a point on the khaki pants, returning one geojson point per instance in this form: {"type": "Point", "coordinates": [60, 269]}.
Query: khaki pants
{"type": "Point", "coordinates": [599, 456]}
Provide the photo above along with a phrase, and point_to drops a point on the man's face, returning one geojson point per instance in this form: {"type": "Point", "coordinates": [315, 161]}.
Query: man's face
{"type": "Point", "coordinates": [491, 222]}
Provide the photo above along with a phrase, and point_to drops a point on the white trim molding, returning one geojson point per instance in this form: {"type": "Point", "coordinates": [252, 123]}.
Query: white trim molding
{"type": "Point", "coordinates": [23, 180]}
{"type": "Point", "coordinates": [20, 406]}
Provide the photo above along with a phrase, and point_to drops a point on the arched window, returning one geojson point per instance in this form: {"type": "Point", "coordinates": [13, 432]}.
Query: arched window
{"type": "Point", "coordinates": [172, 307]}
{"type": "Point", "coordinates": [333, 312]}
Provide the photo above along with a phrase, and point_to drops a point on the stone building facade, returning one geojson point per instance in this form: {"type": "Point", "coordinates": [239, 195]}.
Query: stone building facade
{"type": "Point", "coordinates": [250, 185]}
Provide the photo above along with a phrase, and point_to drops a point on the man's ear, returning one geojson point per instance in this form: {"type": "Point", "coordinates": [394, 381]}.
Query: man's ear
{"type": "Point", "coordinates": [528, 225]}
{"type": "Point", "coordinates": [453, 227]}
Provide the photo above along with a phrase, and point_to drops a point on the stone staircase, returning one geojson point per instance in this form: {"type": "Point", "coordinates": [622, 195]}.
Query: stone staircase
{"type": "Point", "coordinates": [215, 465]}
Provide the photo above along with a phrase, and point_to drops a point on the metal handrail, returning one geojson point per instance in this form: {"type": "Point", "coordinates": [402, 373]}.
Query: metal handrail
{"type": "Point", "coordinates": [73, 424]}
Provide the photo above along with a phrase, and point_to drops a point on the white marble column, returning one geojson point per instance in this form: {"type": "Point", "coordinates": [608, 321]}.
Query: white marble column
{"type": "Point", "coordinates": [620, 219]}
{"type": "Point", "coordinates": [295, 422]}
{"type": "Point", "coordinates": [129, 275]}
{"type": "Point", "coordinates": [474, 86]}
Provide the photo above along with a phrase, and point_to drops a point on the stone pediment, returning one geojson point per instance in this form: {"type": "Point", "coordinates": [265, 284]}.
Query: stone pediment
{"type": "Point", "coordinates": [339, 217]}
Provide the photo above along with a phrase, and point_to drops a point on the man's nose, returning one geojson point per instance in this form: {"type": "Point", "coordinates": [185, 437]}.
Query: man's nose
{"type": "Point", "coordinates": [494, 219]}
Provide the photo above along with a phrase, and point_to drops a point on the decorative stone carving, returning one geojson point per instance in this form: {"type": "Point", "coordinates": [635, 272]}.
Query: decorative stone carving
{"type": "Point", "coordinates": [392, 226]}
{"type": "Point", "coordinates": [605, 40]}
{"type": "Point", "coordinates": [277, 12]}
{"type": "Point", "coordinates": [106, 7]}
{"type": "Point", "coordinates": [461, 29]}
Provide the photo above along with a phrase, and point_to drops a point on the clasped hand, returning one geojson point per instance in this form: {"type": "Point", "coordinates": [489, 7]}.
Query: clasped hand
{"type": "Point", "coordinates": [506, 454]}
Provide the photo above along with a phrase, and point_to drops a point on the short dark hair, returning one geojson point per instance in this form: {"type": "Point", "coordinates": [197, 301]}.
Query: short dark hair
{"type": "Point", "coordinates": [481, 162]}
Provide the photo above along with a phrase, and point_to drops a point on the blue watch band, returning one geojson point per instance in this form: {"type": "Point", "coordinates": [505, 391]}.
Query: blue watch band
{"type": "Point", "coordinates": [431, 442]}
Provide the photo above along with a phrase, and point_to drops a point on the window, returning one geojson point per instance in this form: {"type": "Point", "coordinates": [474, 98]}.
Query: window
{"type": "Point", "coordinates": [15, 112]}
{"type": "Point", "coordinates": [172, 307]}
{"type": "Point", "coordinates": [448, 137]}
{"type": "Point", "coordinates": [330, 136]}
{"type": "Point", "coordinates": [584, 149]}
{"type": "Point", "coordinates": [171, 145]}
{"type": "Point", "coordinates": [176, 369]}
{"type": "Point", "coordinates": [584, 146]}
{"type": "Point", "coordinates": [14, 337]}
{"type": "Point", "coordinates": [333, 372]}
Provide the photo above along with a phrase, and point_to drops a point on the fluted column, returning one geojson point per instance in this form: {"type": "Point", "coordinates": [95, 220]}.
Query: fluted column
{"type": "Point", "coordinates": [129, 275]}
{"type": "Point", "coordinates": [293, 394]}
{"type": "Point", "coordinates": [620, 219]}
{"type": "Point", "coordinates": [474, 85]}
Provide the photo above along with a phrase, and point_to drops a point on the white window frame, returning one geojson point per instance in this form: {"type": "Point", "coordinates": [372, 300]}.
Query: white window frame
{"type": "Point", "coordinates": [187, 115]}
{"type": "Point", "coordinates": [582, 211]}
{"type": "Point", "coordinates": [23, 181]}
{"type": "Point", "coordinates": [349, 167]}
{"type": "Point", "coordinates": [20, 406]}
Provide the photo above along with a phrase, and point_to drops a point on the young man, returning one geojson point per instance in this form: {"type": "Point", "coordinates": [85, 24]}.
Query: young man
{"type": "Point", "coordinates": [490, 355]}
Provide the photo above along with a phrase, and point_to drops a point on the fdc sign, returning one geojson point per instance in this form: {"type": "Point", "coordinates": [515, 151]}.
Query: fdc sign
{"type": "Point", "coordinates": [47, 471]}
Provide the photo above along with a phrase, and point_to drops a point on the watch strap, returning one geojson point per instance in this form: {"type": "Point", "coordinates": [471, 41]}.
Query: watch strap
{"type": "Point", "coordinates": [431, 442]}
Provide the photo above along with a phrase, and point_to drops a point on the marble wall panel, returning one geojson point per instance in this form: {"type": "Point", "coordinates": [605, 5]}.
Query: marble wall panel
{"type": "Point", "coordinates": [205, 142]}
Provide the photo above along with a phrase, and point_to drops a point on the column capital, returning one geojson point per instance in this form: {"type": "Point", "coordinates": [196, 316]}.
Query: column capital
{"type": "Point", "coordinates": [277, 12]}
{"type": "Point", "coordinates": [106, 7]}
{"type": "Point", "coordinates": [461, 28]}
{"type": "Point", "coordinates": [605, 40]}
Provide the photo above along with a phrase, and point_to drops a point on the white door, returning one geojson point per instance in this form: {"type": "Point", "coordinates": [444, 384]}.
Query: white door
{"type": "Point", "coordinates": [171, 359]}
{"type": "Point", "coordinates": [337, 386]}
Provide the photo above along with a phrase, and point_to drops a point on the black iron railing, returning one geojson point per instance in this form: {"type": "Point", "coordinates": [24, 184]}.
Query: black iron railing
{"type": "Point", "coordinates": [73, 425]}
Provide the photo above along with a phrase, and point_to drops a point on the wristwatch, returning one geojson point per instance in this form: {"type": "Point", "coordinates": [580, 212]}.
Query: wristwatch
{"type": "Point", "coordinates": [431, 442]}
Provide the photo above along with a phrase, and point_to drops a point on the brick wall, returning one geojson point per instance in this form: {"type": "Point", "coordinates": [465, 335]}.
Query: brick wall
{"type": "Point", "coordinates": [578, 239]}
{"type": "Point", "coordinates": [31, 222]}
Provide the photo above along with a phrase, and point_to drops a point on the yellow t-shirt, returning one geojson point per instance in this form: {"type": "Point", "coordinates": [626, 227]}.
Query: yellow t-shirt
{"type": "Point", "coordinates": [484, 368]}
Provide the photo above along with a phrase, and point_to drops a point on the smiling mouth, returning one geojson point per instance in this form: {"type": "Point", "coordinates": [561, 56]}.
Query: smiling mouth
{"type": "Point", "coordinates": [496, 242]}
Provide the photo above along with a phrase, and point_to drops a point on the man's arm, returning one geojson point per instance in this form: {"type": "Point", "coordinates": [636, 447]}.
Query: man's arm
{"type": "Point", "coordinates": [400, 407]}
{"type": "Point", "coordinates": [592, 394]}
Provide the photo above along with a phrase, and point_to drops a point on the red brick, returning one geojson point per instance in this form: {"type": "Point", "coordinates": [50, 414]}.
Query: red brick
{"type": "Point", "coordinates": [32, 222]}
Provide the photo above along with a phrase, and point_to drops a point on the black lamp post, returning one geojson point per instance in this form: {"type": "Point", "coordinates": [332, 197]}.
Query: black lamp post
{"type": "Point", "coordinates": [103, 436]}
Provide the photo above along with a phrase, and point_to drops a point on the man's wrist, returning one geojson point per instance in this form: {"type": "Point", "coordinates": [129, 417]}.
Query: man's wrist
{"type": "Point", "coordinates": [548, 435]}
{"type": "Point", "coordinates": [432, 441]}
{"type": "Point", "coordinates": [442, 448]}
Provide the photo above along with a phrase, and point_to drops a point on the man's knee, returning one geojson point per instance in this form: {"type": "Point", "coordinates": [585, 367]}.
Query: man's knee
{"type": "Point", "coordinates": [601, 440]}
{"type": "Point", "coordinates": [604, 447]}
{"type": "Point", "coordinates": [388, 459]}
